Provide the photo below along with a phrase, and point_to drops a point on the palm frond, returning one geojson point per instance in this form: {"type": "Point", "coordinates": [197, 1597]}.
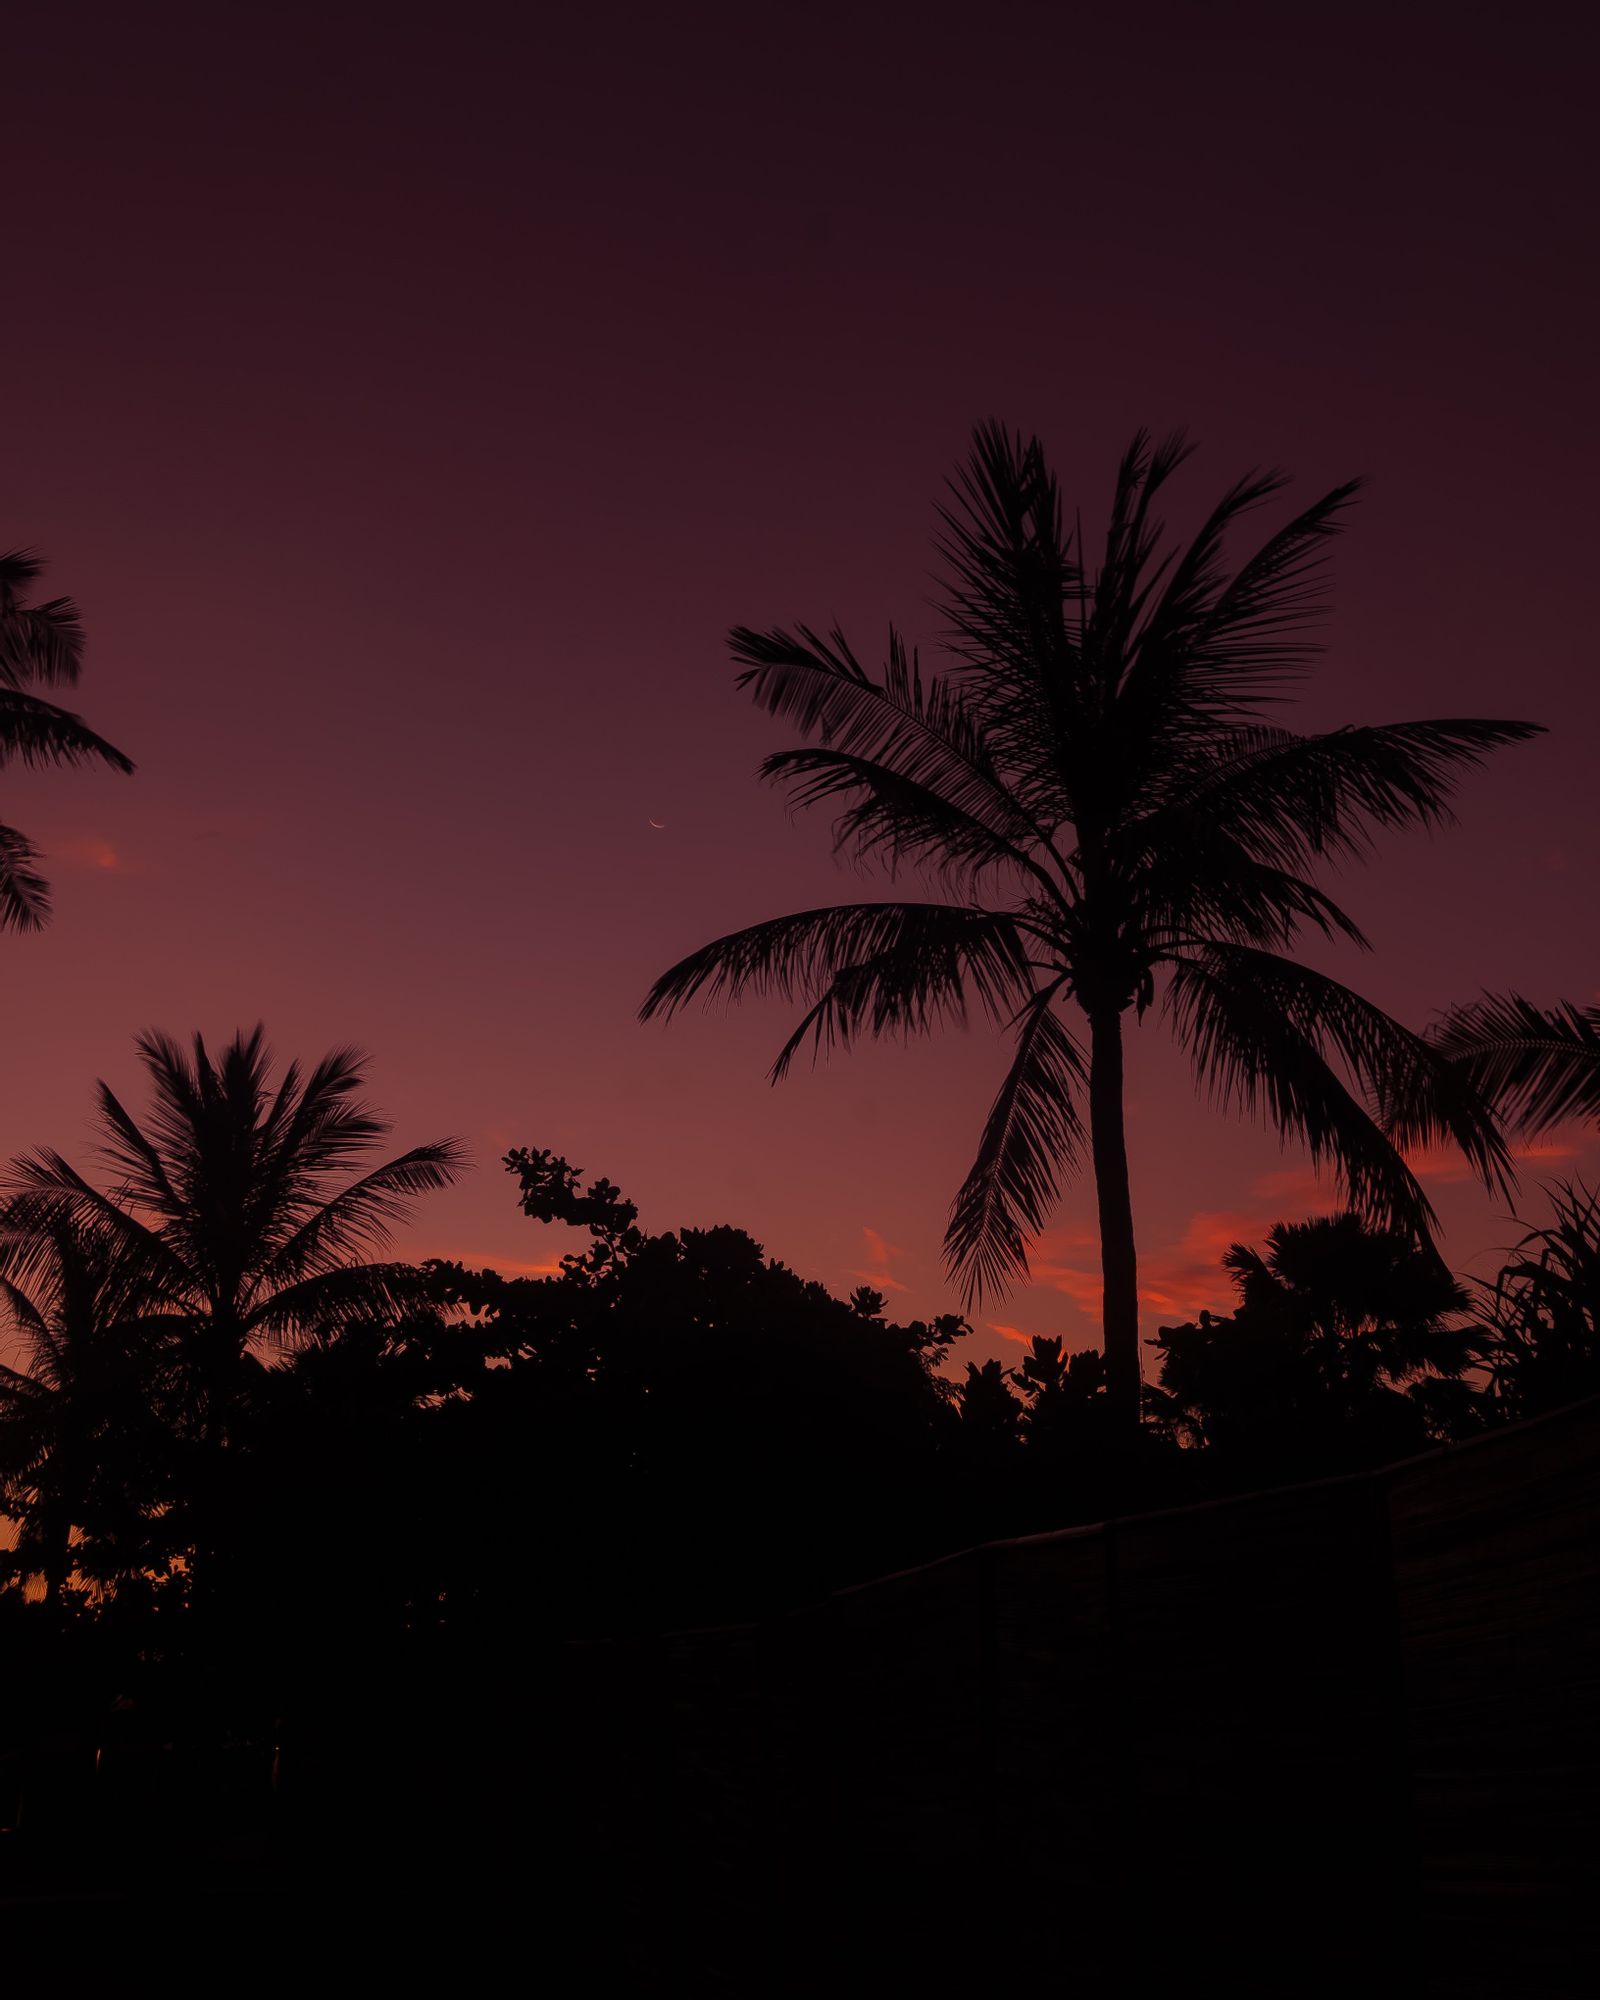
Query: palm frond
{"type": "Point", "coordinates": [1289, 799]}
{"type": "Point", "coordinates": [1214, 648]}
{"type": "Point", "coordinates": [1276, 594]}
{"type": "Point", "coordinates": [181, 1094]}
{"type": "Point", "coordinates": [1203, 882]}
{"type": "Point", "coordinates": [38, 642]}
{"type": "Point", "coordinates": [303, 1141]}
{"type": "Point", "coordinates": [24, 893]}
{"type": "Point", "coordinates": [894, 818]}
{"type": "Point", "coordinates": [1032, 1135]}
{"type": "Point", "coordinates": [1131, 573]}
{"type": "Point", "coordinates": [916, 727]}
{"type": "Point", "coordinates": [362, 1216]}
{"type": "Point", "coordinates": [48, 1178]}
{"type": "Point", "coordinates": [35, 732]}
{"type": "Point", "coordinates": [21, 1307]}
{"type": "Point", "coordinates": [1254, 1055]}
{"type": "Point", "coordinates": [1418, 1098]}
{"type": "Point", "coordinates": [18, 568]}
{"type": "Point", "coordinates": [897, 994]}
{"type": "Point", "coordinates": [946, 948]}
{"type": "Point", "coordinates": [139, 1167]}
{"type": "Point", "coordinates": [1014, 602]}
{"type": "Point", "coordinates": [328, 1300]}
{"type": "Point", "coordinates": [1541, 1065]}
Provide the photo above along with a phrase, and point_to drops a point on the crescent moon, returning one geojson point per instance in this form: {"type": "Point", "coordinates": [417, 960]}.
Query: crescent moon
{"type": "Point", "coordinates": [660, 825]}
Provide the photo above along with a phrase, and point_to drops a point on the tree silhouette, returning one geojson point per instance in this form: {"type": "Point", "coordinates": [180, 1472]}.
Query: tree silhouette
{"type": "Point", "coordinates": [1062, 1393]}
{"type": "Point", "coordinates": [79, 1442]}
{"type": "Point", "coordinates": [231, 1211]}
{"type": "Point", "coordinates": [1348, 1347]}
{"type": "Point", "coordinates": [990, 1416]}
{"type": "Point", "coordinates": [1097, 785]}
{"type": "Point", "coordinates": [714, 1431]}
{"type": "Point", "coordinates": [1541, 1065]}
{"type": "Point", "coordinates": [41, 645]}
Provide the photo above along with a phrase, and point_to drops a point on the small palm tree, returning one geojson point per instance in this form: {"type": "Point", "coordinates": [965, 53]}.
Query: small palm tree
{"type": "Point", "coordinates": [1097, 788]}
{"type": "Point", "coordinates": [1541, 1065]}
{"type": "Point", "coordinates": [231, 1205]}
{"type": "Point", "coordinates": [40, 645]}
{"type": "Point", "coordinates": [1347, 1339]}
{"type": "Point", "coordinates": [1371, 1307]}
{"type": "Point", "coordinates": [76, 1425]}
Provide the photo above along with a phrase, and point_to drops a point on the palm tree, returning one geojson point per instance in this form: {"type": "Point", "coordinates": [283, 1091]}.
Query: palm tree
{"type": "Point", "coordinates": [232, 1207]}
{"type": "Point", "coordinates": [76, 1428]}
{"type": "Point", "coordinates": [40, 644]}
{"type": "Point", "coordinates": [1370, 1305]}
{"type": "Point", "coordinates": [1095, 786]}
{"type": "Point", "coordinates": [1346, 1338]}
{"type": "Point", "coordinates": [1541, 1065]}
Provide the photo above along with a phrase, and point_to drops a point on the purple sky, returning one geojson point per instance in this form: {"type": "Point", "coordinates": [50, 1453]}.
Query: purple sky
{"type": "Point", "coordinates": [412, 397]}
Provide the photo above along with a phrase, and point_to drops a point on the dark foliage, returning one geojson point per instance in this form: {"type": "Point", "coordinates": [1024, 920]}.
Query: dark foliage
{"type": "Point", "coordinates": [1350, 1347]}
{"type": "Point", "coordinates": [1544, 1310]}
{"type": "Point", "coordinates": [412, 1523]}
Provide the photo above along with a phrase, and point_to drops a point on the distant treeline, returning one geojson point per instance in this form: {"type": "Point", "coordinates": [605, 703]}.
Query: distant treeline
{"type": "Point", "coordinates": [229, 1424]}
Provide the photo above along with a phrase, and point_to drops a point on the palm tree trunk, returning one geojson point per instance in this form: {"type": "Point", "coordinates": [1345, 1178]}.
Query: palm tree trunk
{"type": "Point", "coordinates": [1119, 1264]}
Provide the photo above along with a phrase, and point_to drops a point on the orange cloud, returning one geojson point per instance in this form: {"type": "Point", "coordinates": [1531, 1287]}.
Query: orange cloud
{"type": "Point", "coordinates": [508, 1267]}
{"type": "Point", "coordinates": [1053, 1261]}
{"type": "Point", "coordinates": [1298, 1186]}
{"type": "Point", "coordinates": [1538, 1151]}
{"type": "Point", "coordinates": [1080, 1285]}
{"type": "Point", "coordinates": [1178, 1280]}
{"type": "Point", "coordinates": [1443, 1166]}
{"type": "Point", "coordinates": [1187, 1277]}
{"type": "Point", "coordinates": [879, 1253]}
{"type": "Point", "coordinates": [90, 851]}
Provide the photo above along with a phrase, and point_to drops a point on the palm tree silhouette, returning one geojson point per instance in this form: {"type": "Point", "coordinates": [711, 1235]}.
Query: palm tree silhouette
{"type": "Point", "coordinates": [1541, 1065]}
{"type": "Point", "coordinates": [1349, 1346]}
{"type": "Point", "coordinates": [77, 1437]}
{"type": "Point", "coordinates": [1096, 787]}
{"type": "Point", "coordinates": [1371, 1306]}
{"type": "Point", "coordinates": [40, 644]}
{"type": "Point", "coordinates": [231, 1210]}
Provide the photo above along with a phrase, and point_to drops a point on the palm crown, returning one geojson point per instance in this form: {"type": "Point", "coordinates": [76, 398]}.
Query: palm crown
{"type": "Point", "coordinates": [1096, 788]}
{"type": "Point", "coordinates": [232, 1205]}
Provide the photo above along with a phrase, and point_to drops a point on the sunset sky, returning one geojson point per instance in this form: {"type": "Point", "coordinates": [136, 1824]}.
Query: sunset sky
{"type": "Point", "coordinates": [412, 396]}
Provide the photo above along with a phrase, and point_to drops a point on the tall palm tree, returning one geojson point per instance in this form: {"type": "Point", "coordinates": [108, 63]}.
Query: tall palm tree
{"type": "Point", "coordinates": [40, 645]}
{"type": "Point", "coordinates": [1541, 1065]}
{"type": "Point", "coordinates": [1095, 785]}
{"type": "Point", "coordinates": [76, 1424]}
{"type": "Point", "coordinates": [231, 1204]}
